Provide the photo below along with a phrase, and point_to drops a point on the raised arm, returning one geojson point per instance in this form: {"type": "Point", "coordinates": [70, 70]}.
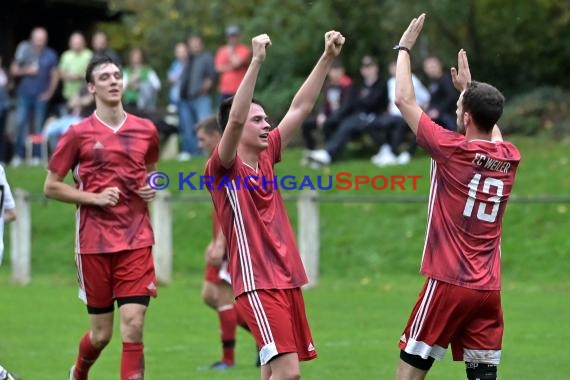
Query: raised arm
{"type": "Point", "coordinates": [229, 142]}
{"type": "Point", "coordinates": [305, 98]}
{"type": "Point", "coordinates": [405, 96]}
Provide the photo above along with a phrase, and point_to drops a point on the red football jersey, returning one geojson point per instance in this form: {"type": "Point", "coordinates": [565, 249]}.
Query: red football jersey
{"type": "Point", "coordinates": [471, 182]}
{"type": "Point", "coordinates": [101, 157]}
{"type": "Point", "coordinates": [263, 252]}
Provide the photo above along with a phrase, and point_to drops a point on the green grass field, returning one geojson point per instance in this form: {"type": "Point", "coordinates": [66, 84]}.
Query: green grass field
{"type": "Point", "coordinates": [370, 254]}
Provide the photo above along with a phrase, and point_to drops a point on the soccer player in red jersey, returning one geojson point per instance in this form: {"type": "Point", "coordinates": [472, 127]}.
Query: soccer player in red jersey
{"type": "Point", "coordinates": [110, 154]}
{"type": "Point", "coordinates": [217, 290]}
{"type": "Point", "coordinates": [264, 263]}
{"type": "Point", "coordinates": [472, 176]}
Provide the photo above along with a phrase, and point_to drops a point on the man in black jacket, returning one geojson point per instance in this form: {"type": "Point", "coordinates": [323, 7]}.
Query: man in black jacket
{"type": "Point", "coordinates": [366, 103]}
{"type": "Point", "coordinates": [443, 95]}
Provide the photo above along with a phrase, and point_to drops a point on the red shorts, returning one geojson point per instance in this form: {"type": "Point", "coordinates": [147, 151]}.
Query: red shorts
{"type": "Point", "coordinates": [277, 320]}
{"type": "Point", "coordinates": [104, 277]}
{"type": "Point", "coordinates": [212, 274]}
{"type": "Point", "coordinates": [470, 320]}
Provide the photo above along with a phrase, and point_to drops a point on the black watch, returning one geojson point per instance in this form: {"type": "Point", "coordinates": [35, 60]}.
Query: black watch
{"type": "Point", "coordinates": [399, 47]}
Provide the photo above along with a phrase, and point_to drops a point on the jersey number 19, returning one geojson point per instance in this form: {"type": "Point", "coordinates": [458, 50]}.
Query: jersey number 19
{"type": "Point", "coordinates": [494, 200]}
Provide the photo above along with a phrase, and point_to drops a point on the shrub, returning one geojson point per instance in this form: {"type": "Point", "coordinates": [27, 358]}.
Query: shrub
{"type": "Point", "coordinates": [544, 109]}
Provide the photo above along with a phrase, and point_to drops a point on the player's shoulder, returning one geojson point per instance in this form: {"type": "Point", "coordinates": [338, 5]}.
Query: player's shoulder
{"type": "Point", "coordinates": [83, 125]}
{"type": "Point", "coordinates": [509, 149]}
{"type": "Point", "coordinates": [141, 121]}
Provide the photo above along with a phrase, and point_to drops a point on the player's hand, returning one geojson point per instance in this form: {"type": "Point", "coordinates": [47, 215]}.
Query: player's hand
{"type": "Point", "coordinates": [108, 197]}
{"type": "Point", "coordinates": [462, 75]}
{"type": "Point", "coordinates": [208, 251]}
{"type": "Point", "coordinates": [259, 45]}
{"type": "Point", "coordinates": [147, 193]}
{"type": "Point", "coordinates": [333, 43]}
{"type": "Point", "coordinates": [411, 34]}
{"type": "Point", "coordinates": [215, 255]}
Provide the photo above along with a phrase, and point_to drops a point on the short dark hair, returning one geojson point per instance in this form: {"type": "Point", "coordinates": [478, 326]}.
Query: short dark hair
{"type": "Point", "coordinates": [209, 125]}
{"type": "Point", "coordinates": [98, 60]}
{"type": "Point", "coordinates": [484, 103]}
{"type": "Point", "coordinates": [224, 111]}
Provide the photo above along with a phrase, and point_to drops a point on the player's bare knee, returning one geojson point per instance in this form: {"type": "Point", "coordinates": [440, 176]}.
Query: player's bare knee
{"type": "Point", "coordinates": [210, 301]}
{"type": "Point", "coordinates": [132, 327]}
{"type": "Point", "coordinates": [133, 322]}
{"type": "Point", "coordinates": [481, 371]}
{"type": "Point", "coordinates": [100, 337]}
{"type": "Point", "coordinates": [209, 297]}
{"type": "Point", "coordinates": [290, 374]}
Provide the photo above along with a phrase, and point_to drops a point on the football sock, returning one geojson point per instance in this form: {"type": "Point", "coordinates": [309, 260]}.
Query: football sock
{"type": "Point", "coordinates": [132, 361]}
{"type": "Point", "coordinates": [241, 321]}
{"type": "Point", "coordinates": [88, 354]}
{"type": "Point", "coordinates": [228, 325]}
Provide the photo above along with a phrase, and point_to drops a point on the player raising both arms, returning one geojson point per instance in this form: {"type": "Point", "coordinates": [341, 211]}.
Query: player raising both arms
{"type": "Point", "coordinates": [265, 266]}
{"type": "Point", "coordinates": [472, 176]}
{"type": "Point", "coordinates": [110, 153]}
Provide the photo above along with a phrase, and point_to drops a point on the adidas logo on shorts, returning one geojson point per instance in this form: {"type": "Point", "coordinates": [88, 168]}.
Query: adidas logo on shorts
{"type": "Point", "coordinates": [311, 347]}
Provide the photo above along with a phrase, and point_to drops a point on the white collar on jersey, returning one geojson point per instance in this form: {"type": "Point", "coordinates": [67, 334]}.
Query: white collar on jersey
{"type": "Point", "coordinates": [114, 129]}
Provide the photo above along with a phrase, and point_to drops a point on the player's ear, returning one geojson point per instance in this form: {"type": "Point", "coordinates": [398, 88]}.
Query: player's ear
{"type": "Point", "coordinates": [466, 119]}
{"type": "Point", "coordinates": [91, 88]}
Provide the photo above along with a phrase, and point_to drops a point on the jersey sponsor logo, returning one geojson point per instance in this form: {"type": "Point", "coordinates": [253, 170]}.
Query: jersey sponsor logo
{"type": "Point", "coordinates": [98, 145]}
{"type": "Point", "coordinates": [311, 347]}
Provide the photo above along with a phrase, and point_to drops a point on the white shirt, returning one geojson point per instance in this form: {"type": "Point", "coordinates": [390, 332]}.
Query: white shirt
{"type": "Point", "coordinates": [6, 203]}
{"type": "Point", "coordinates": [422, 95]}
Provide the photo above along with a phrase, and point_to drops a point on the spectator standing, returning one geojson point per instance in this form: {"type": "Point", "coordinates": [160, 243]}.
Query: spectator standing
{"type": "Point", "coordinates": [141, 83]}
{"type": "Point", "coordinates": [100, 46]}
{"type": "Point", "coordinates": [195, 101]}
{"type": "Point", "coordinates": [72, 65]}
{"type": "Point", "coordinates": [35, 65]}
{"type": "Point", "coordinates": [175, 72]}
{"type": "Point", "coordinates": [231, 62]}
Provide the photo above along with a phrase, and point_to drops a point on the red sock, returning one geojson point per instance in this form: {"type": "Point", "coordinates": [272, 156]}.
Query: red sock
{"type": "Point", "coordinates": [132, 361]}
{"type": "Point", "coordinates": [228, 325]}
{"type": "Point", "coordinates": [241, 321]}
{"type": "Point", "coordinates": [86, 357]}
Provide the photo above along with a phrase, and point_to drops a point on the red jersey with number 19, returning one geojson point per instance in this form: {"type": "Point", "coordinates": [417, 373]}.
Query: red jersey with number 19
{"type": "Point", "coordinates": [102, 157]}
{"type": "Point", "coordinates": [471, 182]}
{"type": "Point", "coordinates": [262, 250]}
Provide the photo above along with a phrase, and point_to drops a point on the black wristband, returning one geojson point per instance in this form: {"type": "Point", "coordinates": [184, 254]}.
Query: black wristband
{"type": "Point", "coordinates": [399, 47]}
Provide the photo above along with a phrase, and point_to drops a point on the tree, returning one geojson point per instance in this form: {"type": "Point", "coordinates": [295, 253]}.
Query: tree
{"type": "Point", "coordinates": [513, 44]}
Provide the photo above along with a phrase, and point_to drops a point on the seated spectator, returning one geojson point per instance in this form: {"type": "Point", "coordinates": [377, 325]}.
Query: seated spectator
{"type": "Point", "coordinates": [366, 103]}
{"type": "Point", "coordinates": [392, 128]}
{"type": "Point", "coordinates": [443, 94]}
{"type": "Point", "coordinates": [335, 95]}
{"type": "Point", "coordinates": [140, 82]}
